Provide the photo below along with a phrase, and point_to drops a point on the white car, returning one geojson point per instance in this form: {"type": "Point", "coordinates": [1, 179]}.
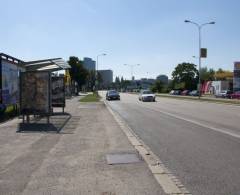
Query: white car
{"type": "Point", "coordinates": [147, 95]}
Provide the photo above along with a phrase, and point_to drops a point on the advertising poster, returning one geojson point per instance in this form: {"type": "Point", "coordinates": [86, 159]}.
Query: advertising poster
{"type": "Point", "coordinates": [236, 77]}
{"type": "Point", "coordinates": [35, 93]}
{"type": "Point", "coordinates": [10, 83]}
{"type": "Point", "coordinates": [67, 82]}
{"type": "Point", "coordinates": [58, 92]}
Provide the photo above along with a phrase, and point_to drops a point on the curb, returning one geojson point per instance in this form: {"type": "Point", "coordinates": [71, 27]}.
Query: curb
{"type": "Point", "coordinates": [169, 183]}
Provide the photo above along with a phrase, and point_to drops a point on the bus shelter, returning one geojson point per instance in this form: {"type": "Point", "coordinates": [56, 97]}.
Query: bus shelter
{"type": "Point", "coordinates": [40, 91]}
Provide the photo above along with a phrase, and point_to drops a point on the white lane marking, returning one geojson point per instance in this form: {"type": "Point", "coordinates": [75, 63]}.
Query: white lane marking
{"type": "Point", "coordinates": [159, 171]}
{"type": "Point", "coordinates": [220, 130]}
{"type": "Point", "coordinates": [224, 131]}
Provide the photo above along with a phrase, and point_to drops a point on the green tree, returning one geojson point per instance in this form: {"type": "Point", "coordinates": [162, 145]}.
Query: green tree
{"type": "Point", "coordinates": [91, 79]}
{"type": "Point", "coordinates": [118, 84]}
{"type": "Point", "coordinates": [158, 86]}
{"type": "Point", "coordinates": [220, 70]}
{"type": "Point", "coordinates": [122, 83]}
{"type": "Point", "coordinates": [222, 75]}
{"type": "Point", "coordinates": [117, 80]}
{"type": "Point", "coordinates": [78, 72]}
{"type": "Point", "coordinates": [207, 75]}
{"type": "Point", "coordinates": [122, 80]}
{"type": "Point", "coordinates": [185, 76]}
{"type": "Point", "coordinates": [125, 84]}
{"type": "Point", "coordinates": [100, 80]}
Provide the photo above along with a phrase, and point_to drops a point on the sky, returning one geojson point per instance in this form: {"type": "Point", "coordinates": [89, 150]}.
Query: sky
{"type": "Point", "coordinates": [151, 33]}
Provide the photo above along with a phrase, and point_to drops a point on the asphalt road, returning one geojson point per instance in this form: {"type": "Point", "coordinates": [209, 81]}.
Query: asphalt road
{"type": "Point", "coordinates": [199, 142]}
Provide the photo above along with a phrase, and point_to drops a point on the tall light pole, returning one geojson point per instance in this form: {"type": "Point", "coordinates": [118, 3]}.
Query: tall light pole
{"type": "Point", "coordinates": [131, 66]}
{"type": "Point", "coordinates": [199, 26]}
{"type": "Point", "coordinates": [96, 75]}
{"type": "Point", "coordinates": [147, 75]}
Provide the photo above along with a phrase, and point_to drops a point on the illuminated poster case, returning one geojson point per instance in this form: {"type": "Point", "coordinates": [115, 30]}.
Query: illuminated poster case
{"type": "Point", "coordinates": [9, 82]}
{"type": "Point", "coordinates": [35, 94]}
{"type": "Point", "coordinates": [58, 91]}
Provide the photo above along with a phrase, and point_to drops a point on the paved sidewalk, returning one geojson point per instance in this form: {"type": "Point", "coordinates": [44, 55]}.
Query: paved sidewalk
{"type": "Point", "coordinates": [72, 161]}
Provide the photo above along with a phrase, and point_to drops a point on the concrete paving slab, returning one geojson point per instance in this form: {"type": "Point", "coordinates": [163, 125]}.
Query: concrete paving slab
{"type": "Point", "coordinates": [122, 158]}
{"type": "Point", "coordinates": [73, 160]}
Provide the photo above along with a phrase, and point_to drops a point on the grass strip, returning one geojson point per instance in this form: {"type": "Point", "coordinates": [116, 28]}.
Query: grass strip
{"type": "Point", "coordinates": [91, 98]}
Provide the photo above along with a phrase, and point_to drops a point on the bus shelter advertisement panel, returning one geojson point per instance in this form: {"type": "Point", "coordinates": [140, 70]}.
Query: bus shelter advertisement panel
{"type": "Point", "coordinates": [35, 93]}
{"type": "Point", "coordinates": [10, 83]}
{"type": "Point", "coordinates": [58, 92]}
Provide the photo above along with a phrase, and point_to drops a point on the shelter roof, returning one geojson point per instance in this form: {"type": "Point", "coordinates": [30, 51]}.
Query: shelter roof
{"type": "Point", "coordinates": [53, 64]}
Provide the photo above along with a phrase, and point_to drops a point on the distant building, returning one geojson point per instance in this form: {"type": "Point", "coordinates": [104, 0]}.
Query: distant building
{"type": "Point", "coordinates": [107, 78]}
{"type": "Point", "coordinates": [163, 78]}
{"type": "Point", "coordinates": [236, 77]}
{"type": "Point", "coordinates": [89, 64]}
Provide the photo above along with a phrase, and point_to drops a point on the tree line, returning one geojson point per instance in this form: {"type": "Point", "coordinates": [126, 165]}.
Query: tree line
{"type": "Point", "coordinates": [186, 76]}
{"type": "Point", "coordinates": [120, 83]}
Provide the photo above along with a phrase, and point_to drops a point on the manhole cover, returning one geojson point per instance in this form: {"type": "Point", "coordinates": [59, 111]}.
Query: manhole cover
{"type": "Point", "coordinates": [122, 158]}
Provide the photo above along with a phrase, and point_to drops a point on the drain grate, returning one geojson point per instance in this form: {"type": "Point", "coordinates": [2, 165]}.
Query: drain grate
{"type": "Point", "coordinates": [122, 158]}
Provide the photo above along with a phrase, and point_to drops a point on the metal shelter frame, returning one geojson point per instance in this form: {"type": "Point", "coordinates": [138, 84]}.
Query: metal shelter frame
{"type": "Point", "coordinates": [51, 65]}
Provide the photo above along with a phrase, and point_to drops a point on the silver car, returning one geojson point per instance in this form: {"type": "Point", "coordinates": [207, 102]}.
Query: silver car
{"type": "Point", "coordinates": [147, 96]}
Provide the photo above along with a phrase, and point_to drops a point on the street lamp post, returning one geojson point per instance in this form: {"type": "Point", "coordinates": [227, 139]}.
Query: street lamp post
{"type": "Point", "coordinates": [96, 75]}
{"type": "Point", "coordinates": [131, 66]}
{"type": "Point", "coordinates": [147, 75]}
{"type": "Point", "coordinates": [199, 58]}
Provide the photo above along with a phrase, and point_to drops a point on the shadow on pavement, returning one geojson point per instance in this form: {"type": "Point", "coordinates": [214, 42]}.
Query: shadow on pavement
{"type": "Point", "coordinates": [39, 124]}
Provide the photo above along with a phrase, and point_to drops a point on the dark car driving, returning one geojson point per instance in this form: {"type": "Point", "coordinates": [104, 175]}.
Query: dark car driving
{"type": "Point", "coordinates": [112, 95]}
